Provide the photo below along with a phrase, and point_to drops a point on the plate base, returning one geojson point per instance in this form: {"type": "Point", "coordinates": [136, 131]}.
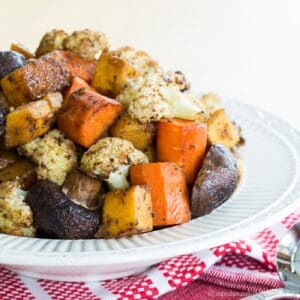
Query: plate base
{"type": "Point", "coordinates": [71, 276]}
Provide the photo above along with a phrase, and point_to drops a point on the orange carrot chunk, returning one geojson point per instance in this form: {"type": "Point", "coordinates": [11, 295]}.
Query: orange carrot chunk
{"type": "Point", "coordinates": [76, 84]}
{"type": "Point", "coordinates": [169, 194]}
{"type": "Point", "coordinates": [86, 115]}
{"type": "Point", "coordinates": [182, 142]}
{"type": "Point", "coordinates": [78, 66]}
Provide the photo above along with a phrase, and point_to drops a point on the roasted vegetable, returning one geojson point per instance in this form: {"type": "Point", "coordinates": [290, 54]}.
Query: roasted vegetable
{"type": "Point", "coordinates": [87, 43]}
{"type": "Point", "coordinates": [4, 108]}
{"type": "Point", "coordinates": [141, 60]}
{"type": "Point", "coordinates": [211, 103]}
{"type": "Point", "coordinates": [126, 212]}
{"type": "Point", "coordinates": [15, 214]}
{"type": "Point", "coordinates": [10, 61]}
{"type": "Point", "coordinates": [54, 100]}
{"type": "Point", "coordinates": [7, 158]}
{"type": "Point", "coordinates": [51, 41]}
{"type": "Point", "coordinates": [57, 216]}
{"type": "Point", "coordinates": [22, 50]}
{"type": "Point", "coordinates": [54, 155]}
{"type": "Point", "coordinates": [28, 122]}
{"type": "Point", "coordinates": [111, 74]}
{"type": "Point", "coordinates": [36, 79]}
{"type": "Point", "coordinates": [139, 134]}
{"type": "Point", "coordinates": [77, 84]}
{"type": "Point", "coordinates": [110, 159]}
{"type": "Point", "coordinates": [78, 66]}
{"type": "Point", "coordinates": [179, 79]}
{"type": "Point", "coordinates": [150, 152]}
{"type": "Point", "coordinates": [221, 130]}
{"type": "Point", "coordinates": [86, 116]}
{"type": "Point", "coordinates": [21, 171]}
{"type": "Point", "coordinates": [216, 181]}
{"type": "Point", "coordinates": [182, 142]}
{"type": "Point", "coordinates": [3, 102]}
{"type": "Point", "coordinates": [82, 189]}
{"type": "Point", "coordinates": [151, 97]}
{"type": "Point", "coordinates": [169, 194]}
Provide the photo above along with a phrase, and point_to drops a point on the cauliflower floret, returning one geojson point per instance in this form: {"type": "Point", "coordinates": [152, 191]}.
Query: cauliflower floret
{"type": "Point", "coordinates": [15, 213]}
{"type": "Point", "coordinates": [211, 103]}
{"type": "Point", "coordinates": [141, 60]}
{"type": "Point", "coordinates": [153, 96]}
{"type": "Point", "coordinates": [179, 79]}
{"type": "Point", "coordinates": [29, 148]}
{"type": "Point", "coordinates": [110, 159]}
{"type": "Point", "coordinates": [87, 43]}
{"type": "Point", "coordinates": [51, 41]}
{"type": "Point", "coordinates": [54, 154]}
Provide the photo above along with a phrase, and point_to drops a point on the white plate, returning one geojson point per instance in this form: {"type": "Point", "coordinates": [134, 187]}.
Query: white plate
{"type": "Point", "coordinates": [269, 190]}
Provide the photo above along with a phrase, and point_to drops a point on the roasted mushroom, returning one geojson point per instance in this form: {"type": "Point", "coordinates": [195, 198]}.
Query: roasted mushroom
{"type": "Point", "coordinates": [57, 216]}
{"type": "Point", "coordinates": [4, 108]}
{"type": "Point", "coordinates": [216, 181]}
{"type": "Point", "coordinates": [82, 189]}
{"type": "Point", "coordinates": [10, 61]}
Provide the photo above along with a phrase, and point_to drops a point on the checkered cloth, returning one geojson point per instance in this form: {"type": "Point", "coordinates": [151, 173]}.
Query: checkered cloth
{"type": "Point", "coordinates": [245, 265]}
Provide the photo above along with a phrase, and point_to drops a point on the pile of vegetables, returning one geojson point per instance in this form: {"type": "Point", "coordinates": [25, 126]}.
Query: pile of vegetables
{"type": "Point", "coordinates": [101, 143]}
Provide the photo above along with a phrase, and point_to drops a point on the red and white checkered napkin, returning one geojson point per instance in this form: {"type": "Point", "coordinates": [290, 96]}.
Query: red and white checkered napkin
{"type": "Point", "coordinates": [246, 265]}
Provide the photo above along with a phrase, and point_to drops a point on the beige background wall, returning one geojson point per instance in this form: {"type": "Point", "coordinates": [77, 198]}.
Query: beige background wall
{"type": "Point", "coordinates": [245, 49]}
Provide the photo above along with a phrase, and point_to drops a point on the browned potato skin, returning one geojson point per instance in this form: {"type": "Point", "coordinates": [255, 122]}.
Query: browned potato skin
{"type": "Point", "coordinates": [216, 181]}
{"type": "Point", "coordinates": [141, 135]}
{"type": "Point", "coordinates": [111, 74]}
{"type": "Point", "coordinates": [37, 78]}
{"type": "Point", "coordinates": [7, 158]}
{"type": "Point", "coordinates": [221, 129]}
{"type": "Point", "coordinates": [21, 171]}
{"type": "Point", "coordinates": [82, 189]}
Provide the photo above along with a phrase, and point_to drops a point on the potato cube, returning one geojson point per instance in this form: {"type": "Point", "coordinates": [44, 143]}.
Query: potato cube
{"type": "Point", "coordinates": [28, 122]}
{"type": "Point", "coordinates": [221, 130]}
{"type": "Point", "coordinates": [126, 212]}
{"type": "Point", "coordinates": [37, 78]}
{"type": "Point", "coordinates": [139, 134]}
{"type": "Point", "coordinates": [111, 73]}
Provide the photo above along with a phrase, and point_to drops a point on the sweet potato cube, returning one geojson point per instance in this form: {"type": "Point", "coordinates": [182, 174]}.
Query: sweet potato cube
{"type": "Point", "coordinates": [186, 145]}
{"type": "Point", "coordinates": [76, 84]}
{"type": "Point", "coordinates": [79, 66]}
{"type": "Point", "coordinates": [169, 194]}
{"type": "Point", "coordinates": [28, 122]}
{"type": "Point", "coordinates": [37, 78]}
{"type": "Point", "coordinates": [126, 212]}
{"type": "Point", "coordinates": [86, 115]}
{"type": "Point", "coordinates": [111, 73]}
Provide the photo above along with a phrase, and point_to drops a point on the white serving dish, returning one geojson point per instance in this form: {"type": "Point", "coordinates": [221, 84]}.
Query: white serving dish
{"type": "Point", "coordinates": [269, 190]}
